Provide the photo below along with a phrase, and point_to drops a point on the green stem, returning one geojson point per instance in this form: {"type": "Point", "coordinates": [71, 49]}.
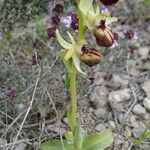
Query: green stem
{"type": "Point", "coordinates": [81, 34]}
{"type": "Point", "coordinates": [73, 95]}
{"type": "Point", "coordinates": [82, 28]}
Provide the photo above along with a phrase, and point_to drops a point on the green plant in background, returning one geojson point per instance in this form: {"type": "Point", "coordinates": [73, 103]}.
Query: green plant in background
{"type": "Point", "coordinates": [145, 135]}
{"type": "Point", "coordinates": [73, 53]}
{"type": "Point", "coordinates": [20, 12]}
{"type": "Point", "coordinates": [146, 3]}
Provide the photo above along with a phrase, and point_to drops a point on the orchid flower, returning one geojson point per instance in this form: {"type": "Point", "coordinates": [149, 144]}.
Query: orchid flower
{"type": "Point", "coordinates": [92, 17]}
{"type": "Point", "coordinates": [72, 49]}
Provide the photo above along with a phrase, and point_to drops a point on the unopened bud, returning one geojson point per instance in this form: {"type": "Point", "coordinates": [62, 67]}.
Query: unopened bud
{"type": "Point", "coordinates": [104, 36]}
{"type": "Point", "coordinates": [109, 2]}
{"type": "Point", "coordinates": [90, 56]}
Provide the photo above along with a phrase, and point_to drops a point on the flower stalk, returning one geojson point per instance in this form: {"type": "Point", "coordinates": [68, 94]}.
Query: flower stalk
{"type": "Point", "coordinates": [73, 93]}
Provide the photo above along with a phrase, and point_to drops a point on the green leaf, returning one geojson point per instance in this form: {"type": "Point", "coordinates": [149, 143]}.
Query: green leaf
{"type": "Point", "coordinates": [85, 6]}
{"type": "Point", "coordinates": [78, 136]}
{"type": "Point", "coordinates": [56, 145]}
{"type": "Point", "coordinates": [62, 42]}
{"type": "Point", "coordinates": [98, 140]}
{"type": "Point", "coordinates": [76, 62]}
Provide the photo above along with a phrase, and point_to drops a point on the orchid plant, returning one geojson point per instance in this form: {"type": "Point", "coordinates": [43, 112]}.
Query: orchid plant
{"type": "Point", "coordinates": [73, 54]}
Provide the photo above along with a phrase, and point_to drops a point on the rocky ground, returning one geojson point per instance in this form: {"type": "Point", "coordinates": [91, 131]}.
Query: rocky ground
{"type": "Point", "coordinates": [115, 95]}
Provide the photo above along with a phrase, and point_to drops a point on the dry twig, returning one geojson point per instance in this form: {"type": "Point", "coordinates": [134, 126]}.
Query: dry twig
{"type": "Point", "coordinates": [29, 108]}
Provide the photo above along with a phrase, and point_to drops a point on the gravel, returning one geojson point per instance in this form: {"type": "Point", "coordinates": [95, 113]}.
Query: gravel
{"type": "Point", "coordinates": [100, 127]}
{"type": "Point", "coordinates": [146, 87]}
{"type": "Point", "coordinates": [143, 52]}
{"type": "Point", "coordinates": [139, 109]}
{"type": "Point", "coordinates": [146, 103]}
{"type": "Point", "coordinates": [101, 113]}
{"type": "Point", "coordinates": [120, 95]}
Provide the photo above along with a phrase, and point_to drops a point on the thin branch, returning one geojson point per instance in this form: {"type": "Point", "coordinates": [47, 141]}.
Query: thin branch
{"type": "Point", "coordinates": [56, 115]}
{"type": "Point", "coordinates": [14, 121]}
{"type": "Point", "coordinates": [30, 106]}
{"type": "Point", "coordinates": [29, 126]}
{"type": "Point", "coordinates": [134, 102]}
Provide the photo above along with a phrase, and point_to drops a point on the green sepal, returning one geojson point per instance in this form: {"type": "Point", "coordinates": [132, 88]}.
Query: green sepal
{"type": "Point", "coordinates": [105, 16]}
{"type": "Point", "coordinates": [62, 42]}
{"type": "Point", "coordinates": [85, 6]}
{"type": "Point", "coordinates": [98, 140]}
{"type": "Point", "coordinates": [56, 145]}
{"type": "Point", "coordinates": [76, 62]}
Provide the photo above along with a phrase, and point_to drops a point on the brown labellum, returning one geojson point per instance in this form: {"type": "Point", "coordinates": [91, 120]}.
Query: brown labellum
{"type": "Point", "coordinates": [104, 36]}
{"type": "Point", "coordinates": [109, 2]}
{"type": "Point", "coordinates": [90, 56]}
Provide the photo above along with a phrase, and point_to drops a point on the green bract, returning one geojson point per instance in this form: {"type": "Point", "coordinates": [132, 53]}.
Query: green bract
{"type": "Point", "coordinates": [73, 49]}
{"type": "Point", "coordinates": [92, 16]}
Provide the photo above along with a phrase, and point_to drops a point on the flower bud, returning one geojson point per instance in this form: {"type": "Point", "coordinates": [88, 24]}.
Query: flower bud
{"type": "Point", "coordinates": [90, 56]}
{"type": "Point", "coordinates": [104, 36]}
{"type": "Point", "coordinates": [109, 2]}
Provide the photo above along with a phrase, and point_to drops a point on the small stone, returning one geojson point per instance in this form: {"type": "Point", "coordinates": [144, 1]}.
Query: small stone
{"type": "Point", "coordinates": [137, 131]}
{"type": "Point", "coordinates": [120, 80]}
{"type": "Point", "coordinates": [128, 132]}
{"type": "Point", "coordinates": [65, 120]}
{"type": "Point", "coordinates": [134, 72]}
{"type": "Point", "coordinates": [134, 122]}
{"type": "Point", "coordinates": [57, 128]}
{"type": "Point", "coordinates": [112, 124]}
{"type": "Point", "coordinates": [146, 66]}
{"type": "Point", "coordinates": [119, 96]}
{"type": "Point", "coordinates": [98, 103]}
{"type": "Point", "coordinates": [125, 145]}
{"type": "Point", "coordinates": [138, 110]}
{"type": "Point", "coordinates": [99, 96]}
{"type": "Point", "coordinates": [3, 142]}
{"type": "Point", "coordinates": [119, 140]}
{"type": "Point", "coordinates": [140, 98]}
{"type": "Point", "coordinates": [98, 81]}
{"type": "Point", "coordinates": [100, 113]}
{"type": "Point", "coordinates": [120, 117]}
{"type": "Point", "coordinates": [21, 146]}
{"type": "Point", "coordinates": [100, 127]}
{"type": "Point", "coordinates": [143, 52]}
{"type": "Point", "coordinates": [20, 108]}
{"type": "Point", "coordinates": [147, 116]}
{"type": "Point", "coordinates": [146, 87]}
{"type": "Point", "coordinates": [146, 103]}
